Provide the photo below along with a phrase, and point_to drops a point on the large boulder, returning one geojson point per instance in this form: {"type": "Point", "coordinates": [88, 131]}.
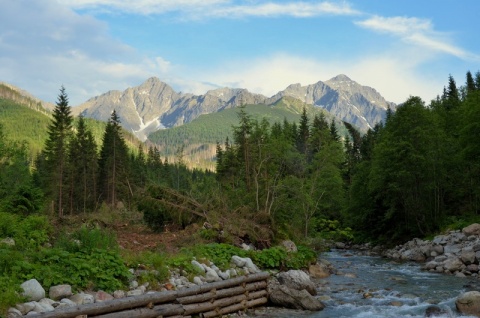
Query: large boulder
{"type": "Point", "coordinates": [472, 229]}
{"type": "Point", "coordinates": [284, 296]}
{"type": "Point", "coordinates": [297, 279]}
{"type": "Point", "coordinates": [32, 290]}
{"type": "Point", "coordinates": [469, 303]}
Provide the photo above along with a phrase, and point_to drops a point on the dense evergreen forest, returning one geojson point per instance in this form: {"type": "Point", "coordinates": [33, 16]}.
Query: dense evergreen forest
{"type": "Point", "coordinates": [412, 175]}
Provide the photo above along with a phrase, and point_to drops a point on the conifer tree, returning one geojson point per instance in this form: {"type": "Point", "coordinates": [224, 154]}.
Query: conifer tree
{"type": "Point", "coordinates": [113, 164]}
{"type": "Point", "coordinates": [55, 153]}
{"type": "Point", "coordinates": [83, 162]}
{"type": "Point", "coordinates": [303, 133]}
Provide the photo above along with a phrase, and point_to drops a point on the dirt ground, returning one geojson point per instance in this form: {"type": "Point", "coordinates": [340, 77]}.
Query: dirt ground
{"type": "Point", "coordinates": [139, 238]}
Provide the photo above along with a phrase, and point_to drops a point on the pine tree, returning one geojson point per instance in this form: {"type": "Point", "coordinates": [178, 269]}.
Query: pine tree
{"type": "Point", "coordinates": [55, 153]}
{"type": "Point", "coordinates": [83, 162]}
{"type": "Point", "coordinates": [470, 83]}
{"type": "Point", "coordinates": [303, 133]}
{"type": "Point", "coordinates": [113, 164]}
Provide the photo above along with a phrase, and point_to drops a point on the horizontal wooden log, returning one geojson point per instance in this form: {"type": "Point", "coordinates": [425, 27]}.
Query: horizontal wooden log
{"type": "Point", "coordinates": [217, 294]}
{"type": "Point", "coordinates": [118, 305]}
{"type": "Point", "coordinates": [111, 305]}
{"type": "Point", "coordinates": [164, 310]}
{"type": "Point", "coordinates": [200, 289]}
{"type": "Point", "coordinates": [236, 307]}
{"type": "Point", "coordinates": [224, 302]}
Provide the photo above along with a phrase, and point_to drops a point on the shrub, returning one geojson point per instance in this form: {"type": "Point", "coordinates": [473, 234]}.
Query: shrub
{"type": "Point", "coordinates": [87, 240]}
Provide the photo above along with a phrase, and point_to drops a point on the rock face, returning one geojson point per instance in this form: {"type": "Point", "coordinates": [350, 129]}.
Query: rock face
{"type": "Point", "coordinates": [154, 105]}
{"type": "Point", "coordinates": [469, 303]}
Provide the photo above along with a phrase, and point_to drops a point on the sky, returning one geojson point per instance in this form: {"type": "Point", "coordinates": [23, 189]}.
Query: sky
{"type": "Point", "coordinates": [400, 48]}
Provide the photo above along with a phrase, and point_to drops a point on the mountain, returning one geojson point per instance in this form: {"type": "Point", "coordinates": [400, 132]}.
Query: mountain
{"type": "Point", "coordinates": [154, 105]}
{"type": "Point", "coordinates": [197, 139]}
{"type": "Point", "coordinates": [22, 97]}
{"type": "Point", "coordinates": [361, 106]}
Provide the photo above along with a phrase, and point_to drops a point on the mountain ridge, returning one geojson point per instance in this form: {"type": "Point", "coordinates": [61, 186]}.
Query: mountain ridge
{"type": "Point", "coordinates": [155, 105]}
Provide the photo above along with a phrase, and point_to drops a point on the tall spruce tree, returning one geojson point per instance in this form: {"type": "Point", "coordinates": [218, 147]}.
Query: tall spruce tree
{"type": "Point", "coordinates": [113, 164]}
{"type": "Point", "coordinates": [55, 154]}
{"type": "Point", "coordinates": [83, 162]}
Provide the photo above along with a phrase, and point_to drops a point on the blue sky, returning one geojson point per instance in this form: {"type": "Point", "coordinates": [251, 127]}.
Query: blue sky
{"type": "Point", "coordinates": [400, 48]}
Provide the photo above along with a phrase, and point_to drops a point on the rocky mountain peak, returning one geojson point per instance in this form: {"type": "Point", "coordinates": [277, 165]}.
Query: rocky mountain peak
{"type": "Point", "coordinates": [155, 105]}
{"type": "Point", "coordinates": [340, 78]}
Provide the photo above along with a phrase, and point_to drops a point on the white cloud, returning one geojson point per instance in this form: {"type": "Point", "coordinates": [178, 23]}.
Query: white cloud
{"type": "Point", "coordinates": [419, 32]}
{"type": "Point", "coordinates": [293, 9]}
{"type": "Point", "coordinates": [197, 9]}
{"type": "Point", "coordinates": [392, 78]}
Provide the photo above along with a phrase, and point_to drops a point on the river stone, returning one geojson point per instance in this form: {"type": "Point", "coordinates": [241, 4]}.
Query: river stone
{"type": "Point", "coordinates": [469, 303]}
{"type": "Point", "coordinates": [435, 311]}
{"type": "Point", "coordinates": [453, 264]}
{"type": "Point", "coordinates": [60, 291]}
{"type": "Point", "coordinates": [119, 294]}
{"type": "Point", "coordinates": [102, 296]}
{"type": "Point", "coordinates": [473, 268]}
{"type": "Point", "coordinates": [212, 276]}
{"type": "Point", "coordinates": [287, 297]}
{"type": "Point", "coordinates": [25, 308]}
{"type": "Point", "coordinates": [198, 267]}
{"type": "Point", "coordinates": [318, 271]}
{"type": "Point", "coordinates": [468, 257]}
{"type": "Point", "coordinates": [245, 262]}
{"type": "Point", "coordinates": [438, 249]}
{"type": "Point", "coordinates": [452, 249]}
{"type": "Point", "coordinates": [414, 254]}
{"type": "Point", "coordinates": [82, 298]}
{"type": "Point", "coordinates": [472, 229]}
{"type": "Point", "coordinates": [14, 313]}
{"type": "Point", "coordinates": [298, 280]}
{"type": "Point", "coordinates": [32, 290]}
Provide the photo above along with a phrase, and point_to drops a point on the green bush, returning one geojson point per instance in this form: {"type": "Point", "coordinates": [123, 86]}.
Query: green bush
{"type": "Point", "coordinates": [9, 293]}
{"type": "Point", "coordinates": [29, 232]}
{"type": "Point", "coordinates": [332, 230]}
{"type": "Point", "coordinates": [87, 240]}
{"type": "Point", "coordinates": [96, 269]}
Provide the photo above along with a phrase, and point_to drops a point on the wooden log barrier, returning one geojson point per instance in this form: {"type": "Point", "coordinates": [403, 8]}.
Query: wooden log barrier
{"type": "Point", "coordinates": [236, 307]}
{"type": "Point", "coordinates": [175, 302]}
{"type": "Point", "coordinates": [216, 294]}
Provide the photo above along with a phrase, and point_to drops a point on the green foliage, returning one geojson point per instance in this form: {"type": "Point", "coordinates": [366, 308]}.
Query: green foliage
{"type": "Point", "coordinates": [87, 240]}
{"type": "Point", "coordinates": [332, 230]}
{"type": "Point", "coordinates": [9, 293]}
{"type": "Point", "coordinates": [29, 232]}
{"type": "Point", "coordinates": [97, 269]}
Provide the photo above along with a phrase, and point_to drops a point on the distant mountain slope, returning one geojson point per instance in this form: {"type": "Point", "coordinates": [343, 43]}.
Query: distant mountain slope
{"type": "Point", "coordinates": [22, 97]}
{"type": "Point", "coordinates": [21, 123]}
{"type": "Point", "coordinates": [198, 138]}
{"type": "Point", "coordinates": [154, 105]}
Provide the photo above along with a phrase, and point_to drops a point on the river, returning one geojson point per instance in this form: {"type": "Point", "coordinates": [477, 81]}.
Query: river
{"type": "Point", "coordinates": [375, 287]}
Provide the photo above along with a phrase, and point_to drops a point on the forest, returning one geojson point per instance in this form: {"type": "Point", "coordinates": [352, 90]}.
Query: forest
{"type": "Point", "coordinates": [411, 175]}
{"type": "Point", "coordinates": [414, 175]}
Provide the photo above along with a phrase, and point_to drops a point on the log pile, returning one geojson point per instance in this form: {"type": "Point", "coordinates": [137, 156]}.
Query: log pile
{"type": "Point", "coordinates": [208, 300]}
